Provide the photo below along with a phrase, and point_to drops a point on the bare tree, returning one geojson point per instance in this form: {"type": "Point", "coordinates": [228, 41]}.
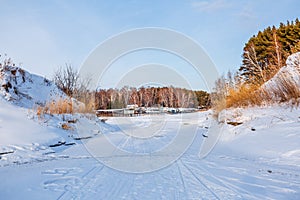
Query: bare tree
{"type": "Point", "coordinates": [67, 79]}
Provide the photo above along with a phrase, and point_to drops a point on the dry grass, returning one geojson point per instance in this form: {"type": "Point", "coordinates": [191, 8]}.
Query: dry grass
{"type": "Point", "coordinates": [285, 90]}
{"type": "Point", "coordinates": [40, 111]}
{"type": "Point", "coordinates": [65, 106]}
{"type": "Point", "coordinates": [66, 126]}
{"type": "Point", "coordinates": [61, 106]}
{"type": "Point", "coordinates": [245, 95]}
{"type": "Point", "coordinates": [88, 106]}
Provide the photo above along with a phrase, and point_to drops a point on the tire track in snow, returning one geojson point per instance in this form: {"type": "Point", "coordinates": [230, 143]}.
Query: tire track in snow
{"type": "Point", "coordinates": [200, 181]}
{"type": "Point", "coordinates": [119, 189]}
{"type": "Point", "coordinates": [254, 167]}
{"type": "Point", "coordinates": [226, 184]}
{"type": "Point", "coordinates": [253, 185]}
{"type": "Point", "coordinates": [181, 178]}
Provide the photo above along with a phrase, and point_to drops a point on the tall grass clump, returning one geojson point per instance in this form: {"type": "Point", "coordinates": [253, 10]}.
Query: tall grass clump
{"type": "Point", "coordinates": [59, 106]}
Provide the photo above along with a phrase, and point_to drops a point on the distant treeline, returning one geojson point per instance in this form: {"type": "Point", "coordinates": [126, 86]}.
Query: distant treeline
{"type": "Point", "coordinates": [151, 96]}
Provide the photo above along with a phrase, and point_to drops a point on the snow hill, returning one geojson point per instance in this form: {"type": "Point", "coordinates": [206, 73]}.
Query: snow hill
{"type": "Point", "coordinates": [289, 74]}
{"type": "Point", "coordinates": [24, 135]}
{"type": "Point", "coordinates": [25, 89]}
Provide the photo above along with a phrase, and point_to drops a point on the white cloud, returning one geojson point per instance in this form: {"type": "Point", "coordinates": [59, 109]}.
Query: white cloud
{"type": "Point", "coordinates": [211, 6]}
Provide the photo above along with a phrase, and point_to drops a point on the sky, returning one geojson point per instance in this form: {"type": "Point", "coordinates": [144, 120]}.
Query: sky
{"type": "Point", "coordinates": [43, 35]}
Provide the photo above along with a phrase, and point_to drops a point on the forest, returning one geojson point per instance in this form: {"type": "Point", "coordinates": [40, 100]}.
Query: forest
{"type": "Point", "coordinates": [151, 96]}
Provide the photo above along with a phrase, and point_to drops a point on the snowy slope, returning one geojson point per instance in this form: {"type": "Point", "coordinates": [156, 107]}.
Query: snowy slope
{"type": "Point", "coordinates": [287, 74]}
{"type": "Point", "coordinates": [271, 132]}
{"type": "Point", "coordinates": [25, 89]}
{"type": "Point", "coordinates": [17, 129]}
{"type": "Point", "coordinates": [25, 136]}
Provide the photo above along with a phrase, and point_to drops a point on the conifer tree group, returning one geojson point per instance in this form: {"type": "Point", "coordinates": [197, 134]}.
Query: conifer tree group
{"type": "Point", "coordinates": [265, 53]}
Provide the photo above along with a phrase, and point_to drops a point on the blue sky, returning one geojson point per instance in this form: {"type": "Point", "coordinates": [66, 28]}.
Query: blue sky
{"type": "Point", "coordinates": [43, 35]}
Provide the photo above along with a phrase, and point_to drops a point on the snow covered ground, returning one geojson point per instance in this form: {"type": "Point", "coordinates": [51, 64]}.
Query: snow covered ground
{"type": "Point", "coordinates": [258, 159]}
